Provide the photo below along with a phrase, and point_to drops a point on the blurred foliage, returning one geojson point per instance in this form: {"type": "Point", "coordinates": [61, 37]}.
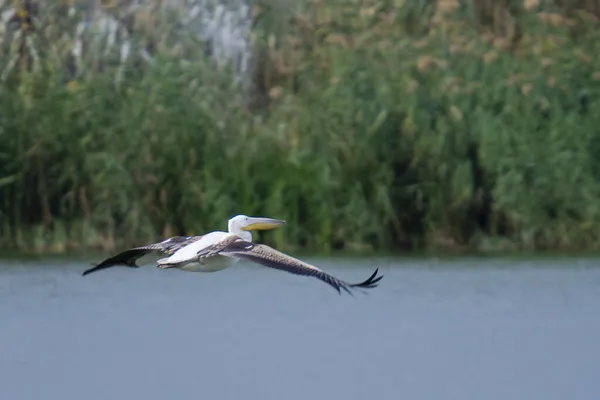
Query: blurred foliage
{"type": "Point", "coordinates": [370, 124]}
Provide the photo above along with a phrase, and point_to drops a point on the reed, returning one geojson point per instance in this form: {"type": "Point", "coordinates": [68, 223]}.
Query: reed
{"type": "Point", "coordinates": [371, 125]}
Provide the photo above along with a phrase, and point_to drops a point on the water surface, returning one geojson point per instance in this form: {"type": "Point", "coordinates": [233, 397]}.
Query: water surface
{"type": "Point", "coordinates": [456, 329]}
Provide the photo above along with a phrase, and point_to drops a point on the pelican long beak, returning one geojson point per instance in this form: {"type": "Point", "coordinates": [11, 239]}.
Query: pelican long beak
{"type": "Point", "coordinates": [261, 224]}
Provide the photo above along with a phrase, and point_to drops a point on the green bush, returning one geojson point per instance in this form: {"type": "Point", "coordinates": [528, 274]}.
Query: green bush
{"type": "Point", "coordinates": [377, 125]}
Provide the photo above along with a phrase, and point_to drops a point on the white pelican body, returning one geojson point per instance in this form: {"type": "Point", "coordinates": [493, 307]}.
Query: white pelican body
{"type": "Point", "coordinates": [212, 264]}
{"type": "Point", "coordinates": [187, 258]}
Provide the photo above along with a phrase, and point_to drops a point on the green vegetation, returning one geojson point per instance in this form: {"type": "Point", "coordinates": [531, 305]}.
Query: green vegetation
{"type": "Point", "coordinates": [374, 125]}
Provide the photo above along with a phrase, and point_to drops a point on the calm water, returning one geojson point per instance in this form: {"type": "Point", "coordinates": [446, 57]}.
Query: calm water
{"type": "Point", "coordinates": [462, 329]}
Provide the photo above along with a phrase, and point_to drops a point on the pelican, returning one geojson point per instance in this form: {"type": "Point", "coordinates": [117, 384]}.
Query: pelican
{"type": "Point", "coordinates": [219, 250]}
{"type": "Point", "coordinates": [180, 247]}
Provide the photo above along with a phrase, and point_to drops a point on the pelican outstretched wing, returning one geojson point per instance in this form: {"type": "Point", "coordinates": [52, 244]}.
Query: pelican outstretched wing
{"type": "Point", "coordinates": [130, 257]}
{"type": "Point", "coordinates": [269, 257]}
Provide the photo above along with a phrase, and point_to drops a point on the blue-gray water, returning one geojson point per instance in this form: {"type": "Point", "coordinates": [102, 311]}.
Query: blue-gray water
{"type": "Point", "coordinates": [462, 329]}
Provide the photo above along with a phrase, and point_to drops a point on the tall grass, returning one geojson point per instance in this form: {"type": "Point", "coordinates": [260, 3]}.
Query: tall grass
{"type": "Point", "coordinates": [371, 125]}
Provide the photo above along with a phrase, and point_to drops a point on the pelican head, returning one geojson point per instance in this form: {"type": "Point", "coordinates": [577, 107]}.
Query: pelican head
{"type": "Point", "coordinates": [246, 223]}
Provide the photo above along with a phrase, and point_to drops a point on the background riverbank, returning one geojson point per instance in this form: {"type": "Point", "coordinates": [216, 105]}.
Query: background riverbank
{"type": "Point", "coordinates": [366, 125]}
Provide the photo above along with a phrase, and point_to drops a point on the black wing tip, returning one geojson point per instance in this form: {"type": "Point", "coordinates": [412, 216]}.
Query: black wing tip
{"type": "Point", "coordinates": [98, 267]}
{"type": "Point", "coordinates": [370, 282]}
{"type": "Point", "coordinates": [90, 270]}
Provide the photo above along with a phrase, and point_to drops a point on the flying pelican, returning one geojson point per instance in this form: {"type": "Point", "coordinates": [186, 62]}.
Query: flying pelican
{"type": "Point", "coordinates": [218, 250]}
{"type": "Point", "coordinates": [240, 225]}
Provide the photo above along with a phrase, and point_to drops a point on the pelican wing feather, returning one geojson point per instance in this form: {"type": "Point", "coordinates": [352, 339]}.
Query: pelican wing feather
{"type": "Point", "coordinates": [231, 241]}
{"type": "Point", "coordinates": [129, 257]}
{"type": "Point", "coordinates": [269, 257]}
